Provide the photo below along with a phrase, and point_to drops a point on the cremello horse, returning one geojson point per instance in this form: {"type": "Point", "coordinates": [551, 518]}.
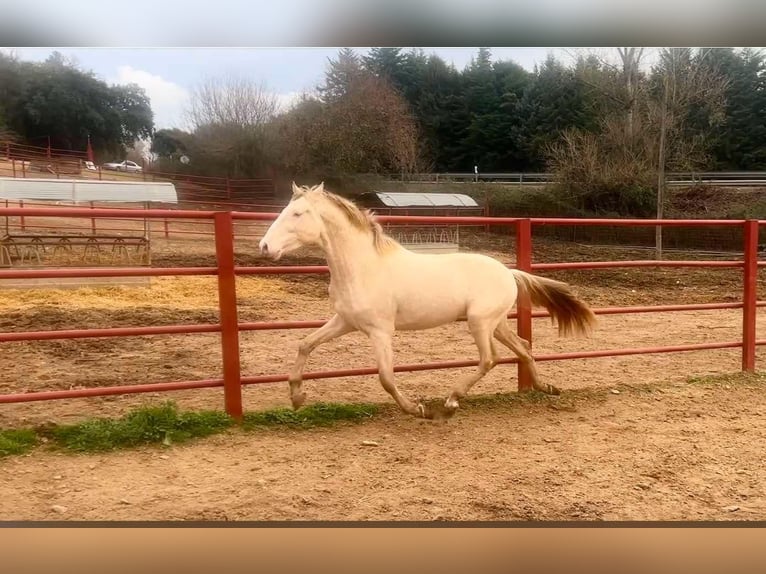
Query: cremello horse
{"type": "Point", "coordinates": [377, 286]}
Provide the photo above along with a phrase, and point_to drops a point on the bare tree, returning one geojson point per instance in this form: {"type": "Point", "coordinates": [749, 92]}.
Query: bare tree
{"type": "Point", "coordinates": [685, 80]}
{"type": "Point", "coordinates": [631, 63]}
{"type": "Point", "coordinates": [645, 130]}
{"type": "Point", "coordinates": [231, 101]}
{"type": "Point", "coordinates": [618, 80]}
{"type": "Point", "coordinates": [366, 128]}
{"type": "Point", "coordinates": [230, 116]}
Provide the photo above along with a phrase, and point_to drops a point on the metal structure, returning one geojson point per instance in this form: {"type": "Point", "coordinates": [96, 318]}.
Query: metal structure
{"type": "Point", "coordinates": [57, 246]}
{"type": "Point", "coordinates": [455, 202]}
{"type": "Point", "coordinates": [85, 190]}
{"type": "Point", "coordinates": [423, 238]}
{"type": "Point", "coordinates": [226, 271]}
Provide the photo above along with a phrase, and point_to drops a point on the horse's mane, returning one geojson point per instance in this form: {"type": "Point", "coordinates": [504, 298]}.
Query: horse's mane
{"type": "Point", "coordinates": [362, 220]}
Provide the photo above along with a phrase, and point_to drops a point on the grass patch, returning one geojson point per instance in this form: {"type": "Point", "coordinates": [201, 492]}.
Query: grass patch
{"type": "Point", "coordinates": [165, 425]}
{"type": "Point", "coordinates": [161, 424]}
{"type": "Point", "coordinates": [741, 379]}
{"type": "Point", "coordinates": [315, 415]}
{"type": "Point", "coordinates": [16, 441]}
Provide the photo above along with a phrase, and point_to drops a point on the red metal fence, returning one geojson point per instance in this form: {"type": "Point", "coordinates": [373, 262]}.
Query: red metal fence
{"type": "Point", "coordinates": [164, 227]}
{"type": "Point", "coordinates": [29, 161]}
{"type": "Point", "coordinates": [226, 271]}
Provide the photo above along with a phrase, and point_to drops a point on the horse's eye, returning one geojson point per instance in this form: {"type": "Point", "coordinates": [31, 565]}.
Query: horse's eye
{"type": "Point", "coordinates": [296, 214]}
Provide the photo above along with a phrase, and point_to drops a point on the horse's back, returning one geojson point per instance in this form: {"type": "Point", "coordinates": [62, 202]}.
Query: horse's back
{"type": "Point", "coordinates": [433, 289]}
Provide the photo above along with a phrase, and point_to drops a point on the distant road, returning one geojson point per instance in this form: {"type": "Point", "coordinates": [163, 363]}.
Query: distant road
{"type": "Point", "coordinates": [722, 178]}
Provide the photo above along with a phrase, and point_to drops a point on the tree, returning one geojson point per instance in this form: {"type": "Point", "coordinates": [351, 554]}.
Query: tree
{"type": "Point", "coordinates": [389, 64]}
{"type": "Point", "coordinates": [169, 143]}
{"type": "Point", "coordinates": [554, 102]}
{"type": "Point", "coordinates": [58, 100]}
{"type": "Point", "coordinates": [631, 67]}
{"type": "Point", "coordinates": [339, 75]}
{"type": "Point", "coordinates": [683, 82]}
{"type": "Point", "coordinates": [232, 101]}
{"type": "Point", "coordinates": [230, 116]}
{"type": "Point", "coordinates": [366, 129]}
{"type": "Point", "coordinates": [738, 143]}
{"type": "Point", "coordinates": [493, 93]}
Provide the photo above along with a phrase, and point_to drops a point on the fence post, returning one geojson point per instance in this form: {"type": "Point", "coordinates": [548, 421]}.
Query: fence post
{"type": "Point", "coordinates": [22, 221]}
{"type": "Point", "coordinates": [167, 230]}
{"type": "Point", "coordinates": [750, 294]}
{"type": "Point", "coordinates": [523, 304]}
{"type": "Point", "coordinates": [92, 220]}
{"type": "Point", "coordinates": [486, 209]}
{"type": "Point", "coordinates": [13, 167]}
{"type": "Point", "coordinates": [227, 304]}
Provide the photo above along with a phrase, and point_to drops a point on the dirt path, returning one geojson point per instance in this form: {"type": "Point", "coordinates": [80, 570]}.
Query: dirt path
{"type": "Point", "coordinates": [688, 451]}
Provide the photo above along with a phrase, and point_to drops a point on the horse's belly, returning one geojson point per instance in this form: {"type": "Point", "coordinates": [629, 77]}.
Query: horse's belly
{"type": "Point", "coordinates": [427, 314]}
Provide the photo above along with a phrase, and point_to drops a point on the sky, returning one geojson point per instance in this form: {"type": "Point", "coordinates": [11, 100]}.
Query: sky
{"type": "Point", "coordinates": [169, 74]}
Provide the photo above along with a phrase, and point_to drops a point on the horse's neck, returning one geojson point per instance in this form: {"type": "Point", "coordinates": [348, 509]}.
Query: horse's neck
{"type": "Point", "coordinates": [351, 257]}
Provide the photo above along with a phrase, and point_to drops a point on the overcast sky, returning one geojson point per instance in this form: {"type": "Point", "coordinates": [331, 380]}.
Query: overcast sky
{"type": "Point", "coordinates": [168, 74]}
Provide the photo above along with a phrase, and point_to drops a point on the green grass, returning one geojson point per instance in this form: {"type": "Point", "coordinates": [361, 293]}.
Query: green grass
{"type": "Point", "coordinates": [315, 415]}
{"type": "Point", "coordinates": [161, 424]}
{"type": "Point", "coordinates": [16, 441]}
{"type": "Point", "coordinates": [164, 425]}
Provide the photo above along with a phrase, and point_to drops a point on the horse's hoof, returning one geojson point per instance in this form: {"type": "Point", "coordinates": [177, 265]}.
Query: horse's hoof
{"type": "Point", "coordinates": [451, 404]}
{"type": "Point", "coordinates": [445, 412]}
{"type": "Point", "coordinates": [437, 412]}
{"type": "Point", "coordinates": [298, 400]}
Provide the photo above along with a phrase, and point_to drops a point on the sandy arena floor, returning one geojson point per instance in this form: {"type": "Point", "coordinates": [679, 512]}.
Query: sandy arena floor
{"type": "Point", "coordinates": [674, 450]}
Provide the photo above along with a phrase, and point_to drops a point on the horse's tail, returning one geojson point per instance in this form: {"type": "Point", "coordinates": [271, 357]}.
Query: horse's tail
{"type": "Point", "coordinates": [571, 313]}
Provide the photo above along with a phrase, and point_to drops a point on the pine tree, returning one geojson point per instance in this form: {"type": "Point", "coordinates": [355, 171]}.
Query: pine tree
{"type": "Point", "coordinates": [339, 75]}
{"type": "Point", "coordinates": [554, 101]}
{"type": "Point", "coordinates": [739, 144]}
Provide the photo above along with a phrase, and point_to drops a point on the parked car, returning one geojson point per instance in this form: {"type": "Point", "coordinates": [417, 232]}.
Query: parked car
{"type": "Point", "coordinates": [126, 165]}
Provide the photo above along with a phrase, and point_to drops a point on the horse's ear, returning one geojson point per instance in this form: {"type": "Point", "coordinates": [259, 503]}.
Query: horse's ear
{"type": "Point", "coordinates": [297, 191]}
{"type": "Point", "coordinates": [320, 187]}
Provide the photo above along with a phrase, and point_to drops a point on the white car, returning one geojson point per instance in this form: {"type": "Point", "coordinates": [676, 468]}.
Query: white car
{"type": "Point", "coordinates": [123, 166]}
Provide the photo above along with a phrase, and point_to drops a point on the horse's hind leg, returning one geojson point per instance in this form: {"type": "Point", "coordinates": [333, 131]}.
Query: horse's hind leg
{"type": "Point", "coordinates": [481, 329]}
{"type": "Point", "coordinates": [334, 328]}
{"type": "Point", "coordinates": [520, 347]}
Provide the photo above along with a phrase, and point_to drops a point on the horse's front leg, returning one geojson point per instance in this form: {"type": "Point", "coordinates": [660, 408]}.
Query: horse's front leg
{"type": "Point", "coordinates": [382, 345]}
{"type": "Point", "coordinates": [334, 328]}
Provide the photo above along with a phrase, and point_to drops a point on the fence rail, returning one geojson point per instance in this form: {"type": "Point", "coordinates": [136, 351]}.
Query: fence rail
{"type": "Point", "coordinates": [722, 178]}
{"type": "Point", "coordinates": [229, 327]}
{"type": "Point", "coordinates": [29, 161]}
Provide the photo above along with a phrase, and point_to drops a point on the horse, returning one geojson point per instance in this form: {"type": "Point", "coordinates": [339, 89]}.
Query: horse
{"type": "Point", "coordinates": [377, 286]}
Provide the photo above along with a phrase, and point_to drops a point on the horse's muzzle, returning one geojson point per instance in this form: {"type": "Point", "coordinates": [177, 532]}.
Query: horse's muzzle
{"type": "Point", "coordinates": [270, 253]}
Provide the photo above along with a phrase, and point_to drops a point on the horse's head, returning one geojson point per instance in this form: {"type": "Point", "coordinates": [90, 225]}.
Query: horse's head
{"type": "Point", "coordinates": [297, 225]}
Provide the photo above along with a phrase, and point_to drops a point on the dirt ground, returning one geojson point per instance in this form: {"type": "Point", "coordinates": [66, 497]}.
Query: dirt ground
{"type": "Point", "coordinates": [674, 450]}
{"type": "Point", "coordinates": [681, 451]}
